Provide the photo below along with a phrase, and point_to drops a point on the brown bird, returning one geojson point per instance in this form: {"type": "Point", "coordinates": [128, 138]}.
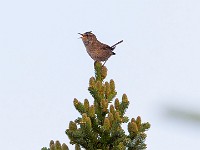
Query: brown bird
{"type": "Point", "coordinates": [97, 50]}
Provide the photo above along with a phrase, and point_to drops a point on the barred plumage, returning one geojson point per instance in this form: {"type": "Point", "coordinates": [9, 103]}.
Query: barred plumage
{"type": "Point", "coordinates": [97, 50]}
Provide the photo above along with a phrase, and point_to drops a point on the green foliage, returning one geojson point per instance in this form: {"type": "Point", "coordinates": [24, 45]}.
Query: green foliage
{"type": "Point", "coordinates": [44, 148]}
{"type": "Point", "coordinates": [100, 125]}
{"type": "Point", "coordinates": [56, 146]}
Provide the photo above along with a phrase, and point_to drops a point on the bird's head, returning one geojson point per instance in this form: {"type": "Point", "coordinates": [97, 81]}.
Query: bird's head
{"type": "Point", "coordinates": [87, 37]}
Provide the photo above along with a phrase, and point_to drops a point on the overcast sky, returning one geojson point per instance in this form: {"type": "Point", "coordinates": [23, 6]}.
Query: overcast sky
{"type": "Point", "coordinates": [43, 66]}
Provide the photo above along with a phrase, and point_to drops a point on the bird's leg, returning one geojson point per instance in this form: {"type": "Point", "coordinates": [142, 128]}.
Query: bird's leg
{"type": "Point", "coordinates": [104, 63]}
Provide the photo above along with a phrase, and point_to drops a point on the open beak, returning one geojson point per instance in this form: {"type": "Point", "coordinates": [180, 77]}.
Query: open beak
{"type": "Point", "coordinates": [81, 35]}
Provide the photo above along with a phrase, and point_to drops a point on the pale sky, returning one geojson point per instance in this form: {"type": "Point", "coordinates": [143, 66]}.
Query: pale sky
{"type": "Point", "coordinates": [44, 66]}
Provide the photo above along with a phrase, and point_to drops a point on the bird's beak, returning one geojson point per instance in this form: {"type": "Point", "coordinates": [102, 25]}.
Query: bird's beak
{"type": "Point", "coordinates": [81, 35]}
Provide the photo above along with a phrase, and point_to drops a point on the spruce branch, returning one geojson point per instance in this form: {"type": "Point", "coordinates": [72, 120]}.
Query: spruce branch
{"type": "Point", "coordinates": [99, 126]}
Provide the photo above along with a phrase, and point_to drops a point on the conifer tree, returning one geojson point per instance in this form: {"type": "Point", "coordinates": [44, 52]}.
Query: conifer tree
{"type": "Point", "coordinates": [99, 126]}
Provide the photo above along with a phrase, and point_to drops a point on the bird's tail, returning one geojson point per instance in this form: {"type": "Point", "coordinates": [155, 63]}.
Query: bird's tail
{"type": "Point", "coordinates": [113, 47]}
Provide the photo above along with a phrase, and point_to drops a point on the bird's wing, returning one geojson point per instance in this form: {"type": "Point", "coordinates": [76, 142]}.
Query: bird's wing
{"type": "Point", "coordinates": [106, 47]}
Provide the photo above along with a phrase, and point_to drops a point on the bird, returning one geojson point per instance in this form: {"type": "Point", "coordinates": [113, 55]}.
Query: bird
{"type": "Point", "coordinates": [97, 51]}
